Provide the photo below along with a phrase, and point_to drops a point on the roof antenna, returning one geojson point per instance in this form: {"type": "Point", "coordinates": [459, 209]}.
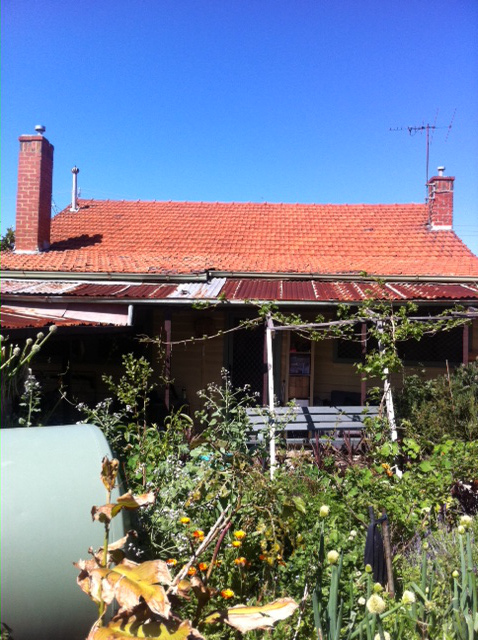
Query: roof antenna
{"type": "Point", "coordinates": [426, 127]}
{"type": "Point", "coordinates": [40, 129]}
{"type": "Point", "coordinates": [74, 190]}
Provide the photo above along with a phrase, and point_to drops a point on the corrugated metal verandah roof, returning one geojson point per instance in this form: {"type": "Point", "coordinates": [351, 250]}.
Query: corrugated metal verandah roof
{"type": "Point", "coordinates": [246, 289]}
{"type": "Point", "coordinates": [14, 318]}
{"type": "Point", "coordinates": [36, 304]}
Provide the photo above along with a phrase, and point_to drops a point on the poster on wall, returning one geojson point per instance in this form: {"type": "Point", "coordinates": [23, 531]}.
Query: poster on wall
{"type": "Point", "coordinates": [299, 364]}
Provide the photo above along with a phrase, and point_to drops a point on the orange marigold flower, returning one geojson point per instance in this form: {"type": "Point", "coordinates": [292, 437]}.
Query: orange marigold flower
{"type": "Point", "coordinates": [236, 543]}
{"type": "Point", "coordinates": [198, 533]}
{"type": "Point", "coordinates": [171, 562]}
{"type": "Point", "coordinates": [388, 469]}
{"type": "Point", "coordinates": [185, 520]}
{"type": "Point", "coordinates": [240, 561]}
{"type": "Point", "coordinates": [203, 566]}
{"type": "Point", "coordinates": [227, 593]}
{"type": "Point", "coordinates": [192, 571]}
{"type": "Point", "coordinates": [239, 534]}
{"type": "Point", "coordinates": [262, 557]}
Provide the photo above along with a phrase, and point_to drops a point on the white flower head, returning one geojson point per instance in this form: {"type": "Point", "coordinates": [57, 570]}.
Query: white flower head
{"type": "Point", "coordinates": [408, 597]}
{"type": "Point", "coordinates": [324, 511]}
{"type": "Point", "coordinates": [353, 533]}
{"type": "Point", "coordinates": [361, 601]}
{"type": "Point", "coordinates": [376, 604]}
{"type": "Point", "coordinates": [332, 557]}
{"type": "Point", "coordinates": [386, 635]}
{"type": "Point", "coordinates": [466, 521]}
{"type": "Point", "coordinates": [461, 529]}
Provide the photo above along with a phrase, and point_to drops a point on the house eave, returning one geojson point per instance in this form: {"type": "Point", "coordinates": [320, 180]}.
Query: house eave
{"type": "Point", "coordinates": [205, 276]}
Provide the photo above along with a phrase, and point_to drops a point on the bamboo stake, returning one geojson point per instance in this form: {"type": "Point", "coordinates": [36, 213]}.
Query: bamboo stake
{"type": "Point", "coordinates": [388, 554]}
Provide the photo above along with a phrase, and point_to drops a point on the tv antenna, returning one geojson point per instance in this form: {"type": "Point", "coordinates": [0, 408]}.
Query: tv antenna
{"type": "Point", "coordinates": [429, 129]}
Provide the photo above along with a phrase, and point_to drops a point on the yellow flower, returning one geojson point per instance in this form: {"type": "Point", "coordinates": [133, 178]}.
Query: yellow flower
{"type": "Point", "coordinates": [198, 534]}
{"type": "Point", "coordinates": [239, 534]}
{"type": "Point", "coordinates": [376, 604]}
{"type": "Point", "coordinates": [236, 543]}
{"type": "Point", "coordinates": [240, 561]}
{"type": "Point", "coordinates": [227, 593]}
{"type": "Point", "coordinates": [185, 520]}
{"type": "Point", "coordinates": [171, 562]}
{"type": "Point", "coordinates": [388, 469]}
{"type": "Point", "coordinates": [203, 566]}
{"type": "Point", "coordinates": [192, 571]}
{"type": "Point", "coordinates": [324, 511]}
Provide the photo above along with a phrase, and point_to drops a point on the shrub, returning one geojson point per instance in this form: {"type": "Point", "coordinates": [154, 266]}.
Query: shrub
{"type": "Point", "coordinates": [444, 407]}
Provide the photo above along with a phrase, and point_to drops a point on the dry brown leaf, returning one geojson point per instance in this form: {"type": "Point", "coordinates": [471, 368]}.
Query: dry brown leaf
{"type": "Point", "coordinates": [201, 592]}
{"type": "Point", "coordinates": [121, 630]}
{"type": "Point", "coordinates": [129, 582]}
{"type": "Point", "coordinates": [130, 501]}
{"type": "Point", "coordinates": [103, 513]}
{"type": "Point", "coordinates": [246, 618]}
{"type": "Point", "coordinates": [109, 471]}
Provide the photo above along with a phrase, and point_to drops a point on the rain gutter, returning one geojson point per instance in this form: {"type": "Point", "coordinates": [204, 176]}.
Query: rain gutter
{"type": "Point", "coordinates": [342, 277]}
{"type": "Point", "coordinates": [205, 276]}
{"type": "Point", "coordinates": [178, 302]}
{"type": "Point", "coordinates": [125, 278]}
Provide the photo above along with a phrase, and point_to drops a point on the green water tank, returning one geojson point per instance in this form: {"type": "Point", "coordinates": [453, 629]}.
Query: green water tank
{"type": "Point", "coordinates": [50, 480]}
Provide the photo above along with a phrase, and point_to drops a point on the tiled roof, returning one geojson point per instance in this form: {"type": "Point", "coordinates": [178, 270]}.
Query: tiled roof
{"type": "Point", "coordinates": [186, 237]}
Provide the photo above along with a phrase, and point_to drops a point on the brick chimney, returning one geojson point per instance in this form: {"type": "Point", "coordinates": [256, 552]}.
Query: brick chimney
{"type": "Point", "coordinates": [440, 201]}
{"type": "Point", "coordinates": [35, 180]}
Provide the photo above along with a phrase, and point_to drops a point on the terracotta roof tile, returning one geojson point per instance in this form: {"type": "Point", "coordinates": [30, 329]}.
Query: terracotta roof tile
{"type": "Point", "coordinates": [190, 237]}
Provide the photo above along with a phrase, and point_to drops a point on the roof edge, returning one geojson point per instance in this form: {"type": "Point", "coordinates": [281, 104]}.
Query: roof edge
{"type": "Point", "coordinates": [208, 275]}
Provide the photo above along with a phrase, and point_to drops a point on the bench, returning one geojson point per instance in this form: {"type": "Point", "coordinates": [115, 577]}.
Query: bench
{"type": "Point", "coordinates": [308, 425]}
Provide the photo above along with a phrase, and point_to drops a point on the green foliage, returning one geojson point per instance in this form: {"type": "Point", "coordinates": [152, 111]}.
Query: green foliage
{"type": "Point", "coordinates": [444, 407]}
{"type": "Point", "coordinates": [147, 593]}
{"type": "Point", "coordinates": [198, 475]}
{"type": "Point", "coordinates": [223, 417]}
{"type": "Point", "coordinates": [20, 392]}
{"type": "Point", "coordinates": [7, 241]}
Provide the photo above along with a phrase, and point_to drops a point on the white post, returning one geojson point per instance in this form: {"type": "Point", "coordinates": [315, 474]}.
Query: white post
{"type": "Point", "coordinates": [387, 394]}
{"type": "Point", "coordinates": [270, 394]}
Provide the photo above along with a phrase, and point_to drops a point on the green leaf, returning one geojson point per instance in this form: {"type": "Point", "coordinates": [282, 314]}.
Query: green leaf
{"type": "Point", "coordinates": [425, 466]}
{"type": "Point", "coordinates": [299, 504]}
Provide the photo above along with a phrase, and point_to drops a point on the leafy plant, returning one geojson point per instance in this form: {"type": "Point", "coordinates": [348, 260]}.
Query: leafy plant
{"type": "Point", "coordinates": [441, 408]}
{"type": "Point", "coordinates": [15, 374]}
{"type": "Point", "coordinates": [147, 594]}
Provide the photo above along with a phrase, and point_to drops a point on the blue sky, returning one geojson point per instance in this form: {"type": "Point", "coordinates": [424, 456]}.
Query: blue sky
{"type": "Point", "coordinates": [244, 100]}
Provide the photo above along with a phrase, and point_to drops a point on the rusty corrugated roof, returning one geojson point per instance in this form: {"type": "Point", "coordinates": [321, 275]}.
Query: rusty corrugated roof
{"type": "Point", "coordinates": [14, 319]}
{"type": "Point", "coordinates": [243, 289]}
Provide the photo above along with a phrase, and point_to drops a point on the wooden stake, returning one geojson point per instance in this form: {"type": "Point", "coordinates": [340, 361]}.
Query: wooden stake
{"type": "Point", "coordinates": [388, 555]}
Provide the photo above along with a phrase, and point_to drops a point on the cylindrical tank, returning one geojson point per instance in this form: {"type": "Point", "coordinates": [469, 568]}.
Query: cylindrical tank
{"type": "Point", "coordinates": [50, 480]}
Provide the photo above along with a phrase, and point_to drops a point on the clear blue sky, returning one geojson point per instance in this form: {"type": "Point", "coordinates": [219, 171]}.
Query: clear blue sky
{"type": "Point", "coordinates": [246, 100]}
